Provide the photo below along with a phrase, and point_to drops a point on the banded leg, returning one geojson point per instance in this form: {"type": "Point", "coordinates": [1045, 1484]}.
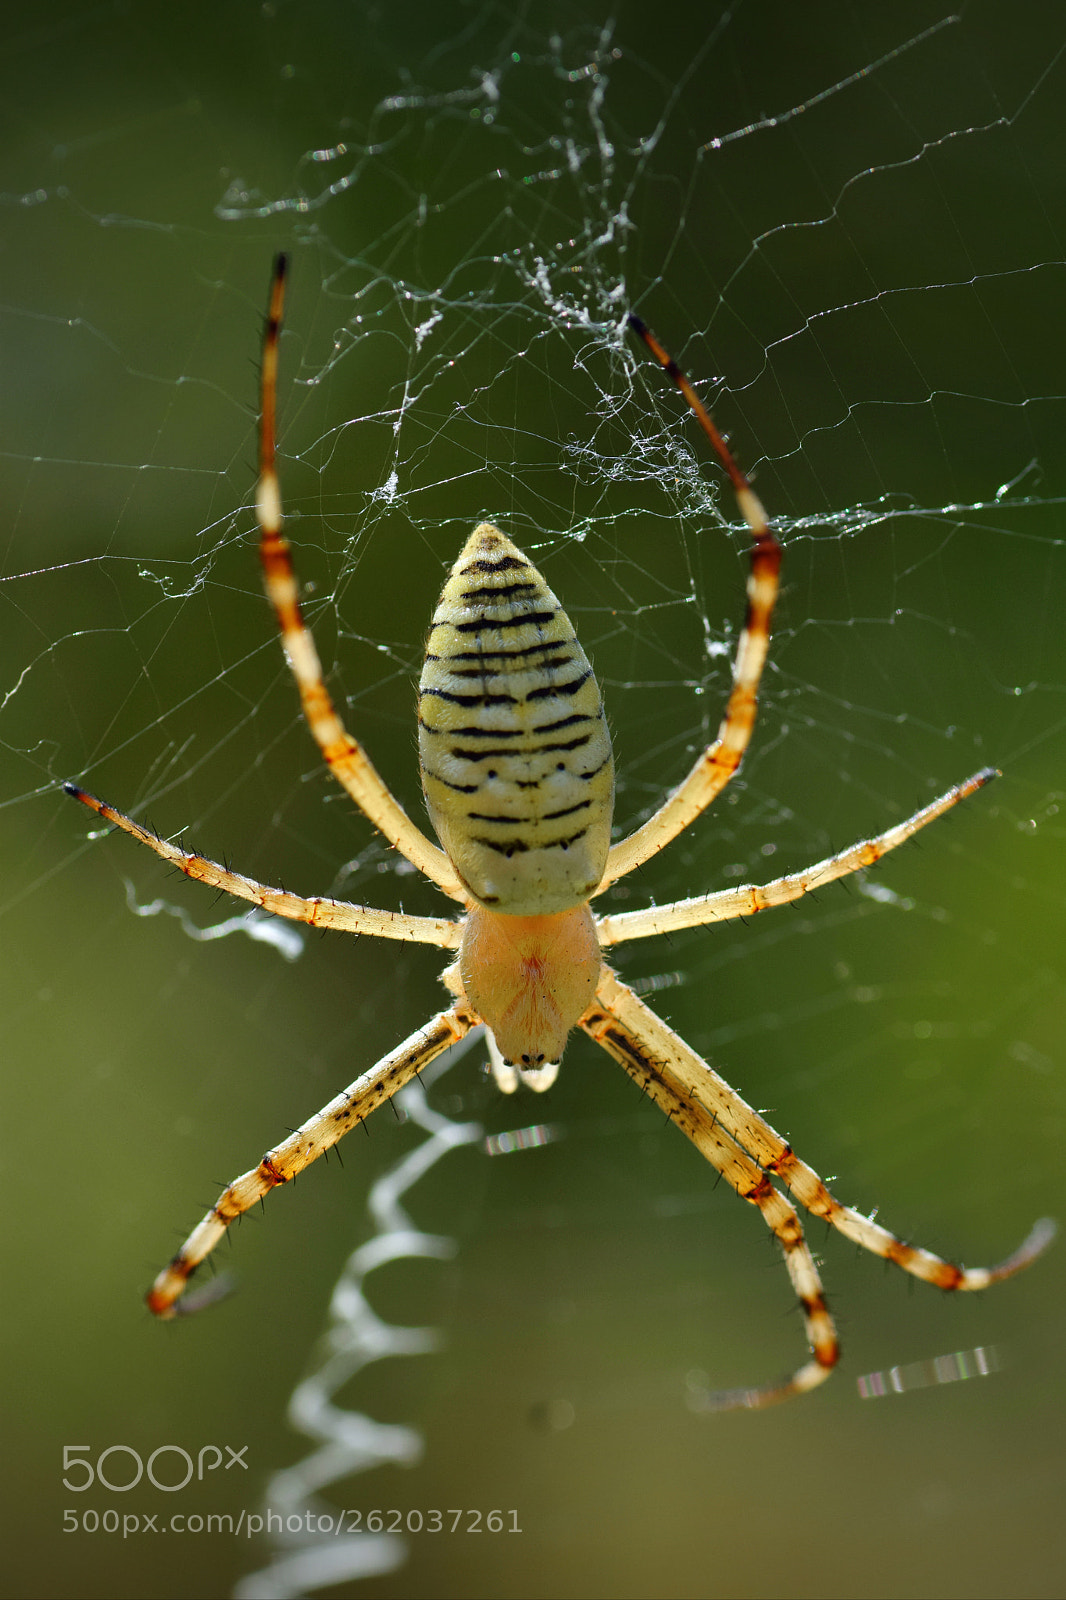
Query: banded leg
{"type": "Point", "coordinates": [345, 757]}
{"type": "Point", "coordinates": [746, 899]}
{"type": "Point", "coordinates": [646, 1067]}
{"type": "Point", "coordinates": [318, 1135]}
{"type": "Point", "coordinates": [775, 1156]}
{"type": "Point", "coordinates": [319, 913]}
{"type": "Point", "coordinates": [721, 759]}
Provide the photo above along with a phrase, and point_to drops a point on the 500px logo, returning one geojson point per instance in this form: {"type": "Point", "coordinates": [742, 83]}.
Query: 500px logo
{"type": "Point", "coordinates": [120, 1467]}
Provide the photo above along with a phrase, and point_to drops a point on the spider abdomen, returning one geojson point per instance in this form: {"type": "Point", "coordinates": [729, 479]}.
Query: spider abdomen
{"type": "Point", "coordinates": [513, 742]}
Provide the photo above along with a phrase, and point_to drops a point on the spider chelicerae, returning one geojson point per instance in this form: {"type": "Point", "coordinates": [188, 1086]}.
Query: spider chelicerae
{"type": "Point", "coordinates": [519, 783]}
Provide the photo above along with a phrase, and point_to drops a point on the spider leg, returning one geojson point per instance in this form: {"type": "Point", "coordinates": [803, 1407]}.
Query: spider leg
{"type": "Point", "coordinates": [316, 1136]}
{"type": "Point", "coordinates": [648, 1066]}
{"type": "Point", "coordinates": [721, 759]}
{"type": "Point", "coordinates": [776, 1157]}
{"type": "Point", "coordinates": [747, 898]}
{"type": "Point", "coordinates": [345, 757]}
{"type": "Point", "coordinates": [319, 913]}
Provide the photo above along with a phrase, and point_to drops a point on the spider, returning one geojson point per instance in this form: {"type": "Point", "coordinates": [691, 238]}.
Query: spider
{"type": "Point", "coordinates": [518, 779]}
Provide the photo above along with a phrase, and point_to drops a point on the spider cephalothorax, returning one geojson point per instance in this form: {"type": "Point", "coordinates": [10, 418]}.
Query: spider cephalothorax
{"type": "Point", "coordinates": [517, 772]}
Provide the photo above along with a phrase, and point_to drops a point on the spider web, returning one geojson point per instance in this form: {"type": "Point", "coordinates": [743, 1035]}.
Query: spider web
{"type": "Point", "coordinates": [845, 223]}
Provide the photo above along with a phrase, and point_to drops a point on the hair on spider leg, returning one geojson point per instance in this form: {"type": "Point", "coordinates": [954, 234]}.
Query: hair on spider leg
{"type": "Point", "coordinates": [334, 1151]}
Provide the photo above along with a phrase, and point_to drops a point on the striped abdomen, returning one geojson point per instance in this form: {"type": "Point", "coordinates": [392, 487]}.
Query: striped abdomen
{"type": "Point", "coordinates": [513, 742]}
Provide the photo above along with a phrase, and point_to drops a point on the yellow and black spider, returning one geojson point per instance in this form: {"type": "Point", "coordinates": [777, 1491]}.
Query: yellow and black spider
{"type": "Point", "coordinates": [519, 782]}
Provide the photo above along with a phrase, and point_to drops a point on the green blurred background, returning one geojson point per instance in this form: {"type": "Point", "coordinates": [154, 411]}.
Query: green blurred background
{"type": "Point", "coordinates": [473, 196]}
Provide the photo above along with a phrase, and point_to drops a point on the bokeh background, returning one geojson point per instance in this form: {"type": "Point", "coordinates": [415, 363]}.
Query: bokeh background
{"type": "Point", "coordinates": [849, 218]}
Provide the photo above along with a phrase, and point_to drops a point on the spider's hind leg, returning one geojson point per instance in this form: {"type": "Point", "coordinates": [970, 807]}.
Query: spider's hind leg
{"type": "Point", "coordinates": [343, 754]}
{"type": "Point", "coordinates": [716, 766]}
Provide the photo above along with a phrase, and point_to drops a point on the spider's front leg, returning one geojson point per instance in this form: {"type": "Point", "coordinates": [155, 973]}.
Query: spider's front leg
{"type": "Point", "coordinates": [318, 1135]}
{"type": "Point", "coordinates": [648, 1067]}
{"type": "Point", "coordinates": [775, 1156]}
{"type": "Point", "coordinates": [742, 1145]}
